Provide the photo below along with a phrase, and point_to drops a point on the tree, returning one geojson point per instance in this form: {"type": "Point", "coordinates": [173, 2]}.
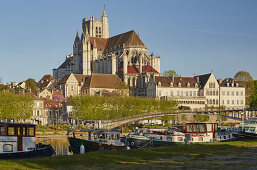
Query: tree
{"type": "Point", "coordinates": [170, 73]}
{"type": "Point", "coordinates": [31, 84]}
{"type": "Point", "coordinates": [108, 108]}
{"type": "Point", "coordinates": [245, 79]}
{"type": "Point", "coordinates": [15, 106]}
{"type": "Point", "coordinates": [254, 95]}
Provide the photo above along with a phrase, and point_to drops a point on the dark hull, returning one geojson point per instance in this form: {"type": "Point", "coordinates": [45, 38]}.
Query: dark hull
{"type": "Point", "coordinates": [46, 150]}
{"type": "Point", "coordinates": [75, 144]}
{"type": "Point", "coordinates": [243, 135]}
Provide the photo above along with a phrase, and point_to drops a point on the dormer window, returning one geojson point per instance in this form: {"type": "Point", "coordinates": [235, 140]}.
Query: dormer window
{"type": "Point", "coordinates": [227, 84]}
{"type": "Point", "coordinates": [179, 84]}
{"type": "Point", "coordinates": [232, 85]}
{"type": "Point", "coordinates": [196, 85]}
{"type": "Point", "coordinates": [236, 84]}
{"type": "Point", "coordinates": [171, 84]}
{"type": "Point", "coordinates": [188, 84]}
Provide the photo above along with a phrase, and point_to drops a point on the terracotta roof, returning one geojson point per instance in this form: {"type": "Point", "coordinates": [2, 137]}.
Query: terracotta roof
{"type": "Point", "coordinates": [81, 78]}
{"type": "Point", "coordinates": [166, 81]}
{"type": "Point", "coordinates": [57, 95]}
{"type": "Point", "coordinates": [64, 79]}
{"type": "Point", "coordinates": [49, 103]}
{"type": "Point", "coordinates": [135, 69]}
{"type": "Point", "coordinates": [47, 77]}
{"type": "Point", "coordinates": [104, 81]}
{"type": "Point", "coordinates": [100, 43]}
{"type": "Point", "coordinates": [127, 38]}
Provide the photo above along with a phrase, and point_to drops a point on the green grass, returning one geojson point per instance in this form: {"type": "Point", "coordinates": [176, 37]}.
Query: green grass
{"type": "Point", "coordinates": [229, 155]}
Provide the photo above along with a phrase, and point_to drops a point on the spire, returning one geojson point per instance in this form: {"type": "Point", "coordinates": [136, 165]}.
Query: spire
{"type": "Point", "coordinates": [104, 13]}
{"type": "Point", "coordinates": [77, 36]}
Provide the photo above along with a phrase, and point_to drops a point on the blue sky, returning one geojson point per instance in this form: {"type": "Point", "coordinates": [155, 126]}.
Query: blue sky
{"type": "Point", "coordinates": [192, 36]}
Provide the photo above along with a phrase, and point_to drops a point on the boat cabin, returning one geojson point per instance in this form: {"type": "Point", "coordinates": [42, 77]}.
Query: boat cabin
{"type": "Point", "coordinates": [202, 128]}
{"type": "Point", "coordinates": [15, 137]}
{"type": "Point", "coordinates": [249, 128]}
{"type": "Point", "coordinates": [108, 137]}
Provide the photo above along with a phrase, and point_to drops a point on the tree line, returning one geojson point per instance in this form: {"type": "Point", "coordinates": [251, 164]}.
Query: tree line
{"type": "Point", "coordinates": [106, 108]}
{"type": "Point", "coordinates": [15, 106]}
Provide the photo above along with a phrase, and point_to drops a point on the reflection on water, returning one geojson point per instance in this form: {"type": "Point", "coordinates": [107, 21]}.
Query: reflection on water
{"type": "Point", "coordinates": [60, 144]}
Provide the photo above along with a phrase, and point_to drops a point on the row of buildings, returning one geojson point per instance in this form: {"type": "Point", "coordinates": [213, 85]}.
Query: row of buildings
{"type": "Point", "coordinates": [121, 65]}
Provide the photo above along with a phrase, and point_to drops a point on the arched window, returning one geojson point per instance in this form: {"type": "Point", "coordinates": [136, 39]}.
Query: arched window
{"type": "Point", "coordinates": [213, 101]}
{"type": "Point", "coordinates": [217, 101]}
{"type": "Point", "coordinates": [210, 93]}
{"type": "Point", "coordinates": [8, 148]}
{"type": "Point", "coordinates": [210, 101]}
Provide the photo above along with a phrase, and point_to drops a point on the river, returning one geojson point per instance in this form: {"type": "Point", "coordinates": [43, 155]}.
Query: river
{"type": "Point", "coordinates": [59, 143]}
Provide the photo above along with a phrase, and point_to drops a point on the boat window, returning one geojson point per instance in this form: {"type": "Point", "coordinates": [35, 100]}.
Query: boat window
{"type": "Point", "coordinates": [24, 132]}
{"type": "Point", "coordinates": [224, 137]}
{"type": "Point", "coordinates": [2, 130]}
{"type": "Point", "coordinates": [189, 128]}
{"type": "Point", "coordinates": [229, 136]}
{"type": "Point", "coordinates": [18, 131]}
{"type": "Point", "coordinates": [209, 127]}
{"type": "Point", "coordinates": [202, 128]}
{"type": "Point", "coordinates": [10, 130]}
{"type": "Point", "coordinates": [169, 138]}
{"type": "Point", "coordinates": [117, 136]}
{"type": "Point", "coordinates": [252, 128]}
{"type": "Point", "coordinates": [108, 136]}
{"type": "Point", "coordinates": [101, 136]}
{"type": "Point", "coordinates": [196, 128]}
{"type": "Point", "coordinates": [31, 131]}
{"type": "Point", "coordinates": [216, 127]}
{"type": "Point", "coordinates": [8, 148]}
{"type": "Point", "coordinates": [180, 139]}
{"type": "Point", "coordinates": [246, 128]}
{"type": "Point", "coordinates": [200, 139]}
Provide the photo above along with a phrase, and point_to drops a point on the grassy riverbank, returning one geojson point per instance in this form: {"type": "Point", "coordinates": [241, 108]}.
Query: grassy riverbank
{"type": "Point", "coordinates": [227, 155]}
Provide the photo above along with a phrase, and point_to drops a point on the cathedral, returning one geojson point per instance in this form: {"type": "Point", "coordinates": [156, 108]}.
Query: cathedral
{"type": "Point", "coordinates": [95, 52]}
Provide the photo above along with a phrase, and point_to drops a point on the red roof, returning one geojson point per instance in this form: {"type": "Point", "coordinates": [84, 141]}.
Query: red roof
{"type": "Point", "coordinates": [135, 69]}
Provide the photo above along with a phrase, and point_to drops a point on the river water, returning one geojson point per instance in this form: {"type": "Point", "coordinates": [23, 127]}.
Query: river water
{"type": "Point", "coordinates": [59, 143]}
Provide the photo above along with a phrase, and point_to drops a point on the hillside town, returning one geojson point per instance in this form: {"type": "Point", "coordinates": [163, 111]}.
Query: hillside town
{"type": "Point", "coordinates": [121, 66]}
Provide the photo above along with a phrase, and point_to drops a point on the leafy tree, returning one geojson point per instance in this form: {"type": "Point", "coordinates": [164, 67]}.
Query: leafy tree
{"type": "Point", "coordinates": [108, 108]}
{"type": "Point", "coordinates": [254, 95]}
{"type": "Point", "coordinates": [31, 84]}
{"type": "Point", "coordinates": [15, 106]}
{"type": "Point", "coordinates": [170, 73]}
{"type": "Point", "coordinates": [245, 79]}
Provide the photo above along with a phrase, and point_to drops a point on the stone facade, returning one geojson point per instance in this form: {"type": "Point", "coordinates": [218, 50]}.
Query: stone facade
{"type": "Point", "coordinates": [71, 84]}
{"type": "Point", "coordinates": [196, 92]}
{"type": "Point", "coordinates": [105, 84]}
{"type": "Point", "coordinates": [95, 52]}
{"type": "Point", "coordinates": [232, 95]}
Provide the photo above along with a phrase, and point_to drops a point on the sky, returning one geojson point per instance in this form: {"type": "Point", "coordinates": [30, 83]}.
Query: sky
{"type": "Point", "coordinates": [192, 37]}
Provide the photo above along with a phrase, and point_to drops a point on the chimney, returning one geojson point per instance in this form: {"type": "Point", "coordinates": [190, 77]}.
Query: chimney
{"type": "Point", "coordinates": [172, 78]}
